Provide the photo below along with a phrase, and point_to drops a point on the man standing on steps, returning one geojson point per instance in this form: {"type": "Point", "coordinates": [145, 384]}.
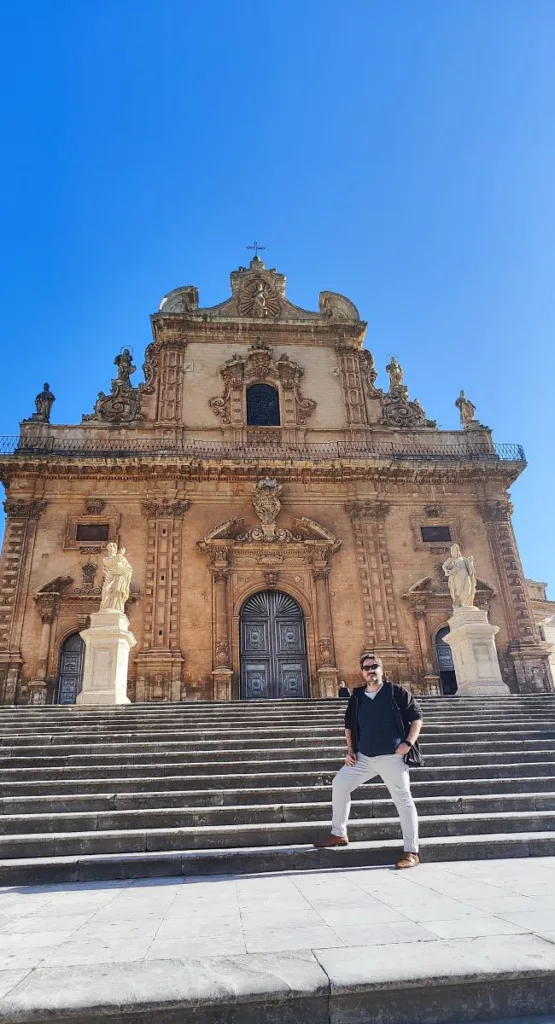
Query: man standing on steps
{"type": "Point", "coordinates": [382, 723]}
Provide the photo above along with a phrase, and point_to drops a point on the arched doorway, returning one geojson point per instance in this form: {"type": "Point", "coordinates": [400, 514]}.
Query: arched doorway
{"type": "Point", "coordinates": [445, 663]}
{"type": "Point", "coordinates": [272, 647]}
{"type": "Point", "coordinates": [70, 676]}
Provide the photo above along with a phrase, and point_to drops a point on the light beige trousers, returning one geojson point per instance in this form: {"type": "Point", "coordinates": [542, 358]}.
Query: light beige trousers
{"type": "Point", "coordinates": [395, 775]}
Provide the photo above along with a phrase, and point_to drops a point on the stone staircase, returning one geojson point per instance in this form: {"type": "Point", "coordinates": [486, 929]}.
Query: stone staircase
{"type": "Point", "coordinates": [211, 788]}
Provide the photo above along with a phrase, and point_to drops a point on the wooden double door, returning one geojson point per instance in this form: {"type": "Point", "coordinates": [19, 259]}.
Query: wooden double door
{"type": "Point", "coordinates": [273, 647]}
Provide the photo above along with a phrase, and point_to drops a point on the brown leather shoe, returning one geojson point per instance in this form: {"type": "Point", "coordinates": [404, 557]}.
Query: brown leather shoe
{"type": "Point", "coordinates": [330, 841]}
{"type": "Point", "coordinates": [408, 860]}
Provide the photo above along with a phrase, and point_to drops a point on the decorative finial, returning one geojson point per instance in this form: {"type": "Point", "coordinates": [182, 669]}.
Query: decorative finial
{"type": "Point", "coordinates": [257, 248]}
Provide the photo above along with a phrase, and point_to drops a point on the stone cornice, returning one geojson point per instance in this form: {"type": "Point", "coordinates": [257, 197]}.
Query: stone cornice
{"type": "Point", "coordinates": [178, 329]}
{"type": "Point", "coordinates": [183, 470]}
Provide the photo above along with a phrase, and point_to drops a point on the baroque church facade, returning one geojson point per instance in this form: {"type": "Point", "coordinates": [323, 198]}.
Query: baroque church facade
{"type": "Point", "coordinates": [282, 513]}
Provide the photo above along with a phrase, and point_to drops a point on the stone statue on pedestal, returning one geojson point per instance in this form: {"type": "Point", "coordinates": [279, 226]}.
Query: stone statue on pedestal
{"type": "Point", "coordinates": [471, 637]}
{"type": "Point", "coordinates": [395, 371]}
{"type": "Point", "coordinates": [466, 409]}
{"type": "Point", "coordinates": [108, 639]}
{"type": "Point", "coordinates": [117, 573]}
{"type": "Point", "coordinates": [461, 577]}
{"type": "Point", "coordinates": [43, 403]}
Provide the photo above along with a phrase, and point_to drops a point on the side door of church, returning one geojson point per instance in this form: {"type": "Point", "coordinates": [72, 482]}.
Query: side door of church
{"type": "Point", "coordinates": [273, 648]}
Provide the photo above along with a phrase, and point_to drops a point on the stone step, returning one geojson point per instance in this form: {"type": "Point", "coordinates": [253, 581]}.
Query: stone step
{"type": "Point", "coordinates": [152, 780]}
{"type": "Point", "coordinates": [240, 714]}
{"type": "Point", "coordinates": [167, 765]}
{"type": "Point", "coordinates": [58, 724]}
{"type": "Point", "coordinates": [50, 870]}
{"type": "Point", "coordinates": [334, 749]}
{"type": "Point", "coordinates": [312, 738]}
{"type": "Point", "coordinates": [225, 837]}
{"type": "Point", "coordinates": [433, 743]}
{"type": "Point", "coordinates": [127, 799]}
{"type": "Point", "coordinates": [263, 834]}
{"type": "Point", "coordinates": [268, 814]}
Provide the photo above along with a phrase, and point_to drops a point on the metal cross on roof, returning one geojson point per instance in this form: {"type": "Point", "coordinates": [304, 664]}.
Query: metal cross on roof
{"type": "Point", "coordinates": [257, 248]}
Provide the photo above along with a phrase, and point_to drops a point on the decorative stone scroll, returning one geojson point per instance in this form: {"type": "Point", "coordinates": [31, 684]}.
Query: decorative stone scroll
{"type": "Point", "coordinates": [259, 365]}
{"type": "Point", "coordinates": [397, 409]}
{"type": "Point", "coordinates": [122, 405]}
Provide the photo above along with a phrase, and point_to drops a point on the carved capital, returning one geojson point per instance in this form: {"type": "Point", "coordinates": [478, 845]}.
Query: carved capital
{"type": "Point", "coordinates": [434, 511]}
{"type": "Point", "coordinates": [368, 509]}
{"type": "Point", "coordinates": [48, 606]}
{"type": "Point", "coordinates": [496, 511]}
{"type": "Point", "coordinates": [320, 574]}
{"type": "Point", "coordinates": [94, 506]}
{"type": "Point", "coordinates": [21, 508]}
{"type": "Point", "coordinates": [165, 509]}
{"type": "Point", "coordinates": [220, 576]}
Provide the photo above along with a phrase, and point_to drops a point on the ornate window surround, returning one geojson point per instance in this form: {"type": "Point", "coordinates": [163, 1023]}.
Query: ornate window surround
{"type": "Point", "coordinates": [260, 367]}
{"type": "Point", "coordinates": [437, 547]}
{"type": "Point", "coordinates": [70, 538]}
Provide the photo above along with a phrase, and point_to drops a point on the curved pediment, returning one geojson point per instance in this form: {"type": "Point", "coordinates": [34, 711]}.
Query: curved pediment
{"type": "Point", "coordinates": [436, 589]}
{"type": "Point", "coordinates": [258, 293]}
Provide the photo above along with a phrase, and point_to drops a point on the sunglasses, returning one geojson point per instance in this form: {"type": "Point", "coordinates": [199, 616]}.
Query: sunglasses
{"type": "Point", "coordinates": [370, 668]}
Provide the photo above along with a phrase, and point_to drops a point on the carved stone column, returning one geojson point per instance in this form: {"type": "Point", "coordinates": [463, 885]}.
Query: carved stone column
{"type": "Point", "coordinates": [48, 605]}
{"type": "Point", "coordinates": [19, 541]}
{"type": "Point", "coordinates": [382, 634]}
{"type": "Point", "coordinates": [529, 658]}
{"type": "Point", "coordinates": [160, 662]}
{"type": "Point", "coordinates": [222, 673]}
{"type": "Point", "coordinates": [328, 674]}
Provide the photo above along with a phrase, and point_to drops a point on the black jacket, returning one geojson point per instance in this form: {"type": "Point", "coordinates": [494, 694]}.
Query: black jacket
{"type": "Point", "coordinates": [407, 710]}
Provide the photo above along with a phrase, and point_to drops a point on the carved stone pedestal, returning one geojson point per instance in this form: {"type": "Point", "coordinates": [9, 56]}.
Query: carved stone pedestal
{"type": "Point", "coordinates": [471, 639]}
{"type": "Point", "coordinates": [531, 666]}
{"type": "Point", "coordinates": [222, 683]}
{"type": "Point", "coordinates": [107, 642]}
{"type": "Point", "coordinates": [37, 691]}
{"type": "Point", "coordinates": [328, 682]}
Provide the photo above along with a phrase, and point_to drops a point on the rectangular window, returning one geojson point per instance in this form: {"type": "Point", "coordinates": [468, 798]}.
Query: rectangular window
{"type": "Point", "coordinates": [92, 531]}
{"type": "Point", "coordinates": [435, 534]}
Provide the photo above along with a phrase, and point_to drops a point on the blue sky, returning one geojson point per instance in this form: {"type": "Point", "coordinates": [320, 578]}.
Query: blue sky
{"type": "Point", "coordinates": [401, 152]}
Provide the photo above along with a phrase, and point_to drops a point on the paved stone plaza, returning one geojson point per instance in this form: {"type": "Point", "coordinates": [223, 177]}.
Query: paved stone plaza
{"type": "Point", "coordinates": [73, 946]}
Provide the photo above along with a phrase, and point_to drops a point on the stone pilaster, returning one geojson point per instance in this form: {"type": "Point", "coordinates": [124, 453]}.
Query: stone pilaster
{"type": "Point", "coordinates": [328, 674]}
{"type": "Point", "coordinates": [353, 389]}
{"type": "Point", "coordinates": [381, 618]}
{"type": "Point", "coordinates": [429, 681]}
{"type": "Point", "coordinates": [19, 541]}
{"type": "Point", "coordinates": [222, 673]}
{"type": "Point", "coordinates": [160, 663]}
{"type": "Point", "coordinates": [48, 605]}
{"type": "Point", "coordinates": [529, 658]}
{"type": "Point", "coordinates": [170, 388]}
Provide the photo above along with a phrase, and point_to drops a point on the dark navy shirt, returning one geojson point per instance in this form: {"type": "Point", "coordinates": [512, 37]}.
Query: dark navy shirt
{"type": "Point", "coordinates": [378, 727]}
